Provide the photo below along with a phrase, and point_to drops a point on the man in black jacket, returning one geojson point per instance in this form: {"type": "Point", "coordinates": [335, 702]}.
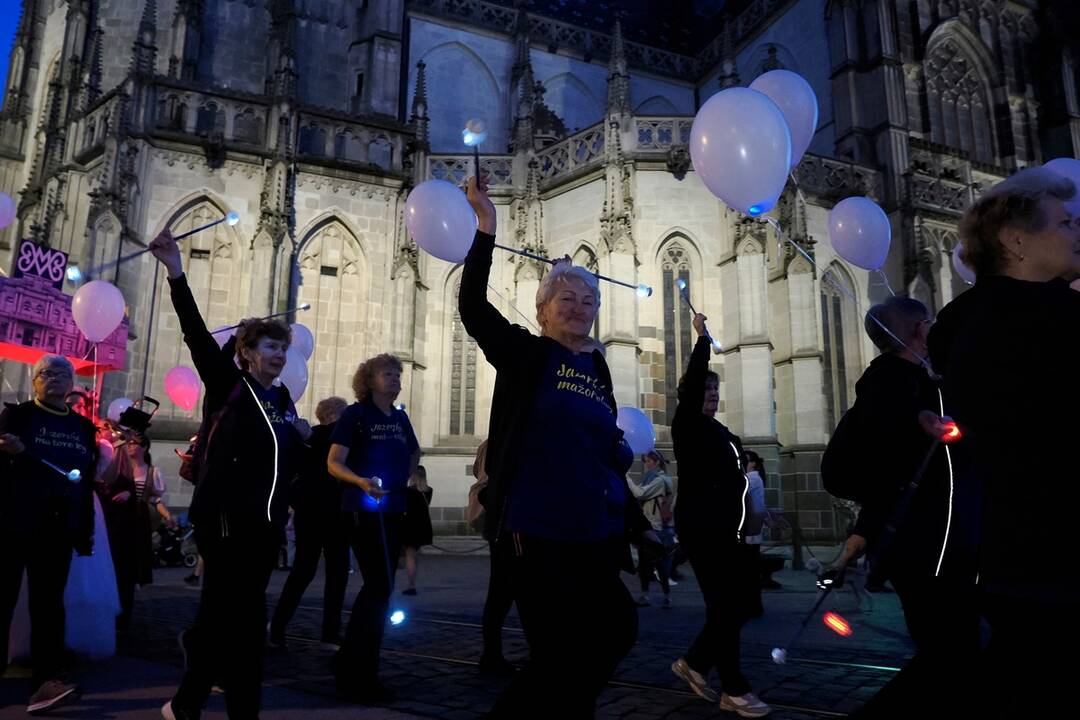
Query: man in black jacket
{"type": "Point", "coordinates": [887, 436]}
{"type": "Point", "coordinates": [43, 516]}
{"type": "Point", "coordinates": [248, 447]}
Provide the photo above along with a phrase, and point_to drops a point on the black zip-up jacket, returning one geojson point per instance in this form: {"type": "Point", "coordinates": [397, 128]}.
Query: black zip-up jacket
{"type": "Point", "coordinates": [888, 399]}
{"type": "Point", "coordinates": [238, 488]}
{"type": "Point", "coordinates": [1009, 351]}
{"type": "Point", "coordinates": [714, 498]}
{"type": "Point", "coordinates": [520, 359]}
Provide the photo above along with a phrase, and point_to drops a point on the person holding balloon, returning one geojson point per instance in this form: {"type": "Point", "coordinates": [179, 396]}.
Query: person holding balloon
{"type": "Point", "coordinates": [249, 445]}
{"type": "Point", "coordinates": [710, 517]}
{"type": "Point", "coordinates": [1008, 350]}
{"type": "Point", "coordinates": [557, 463]}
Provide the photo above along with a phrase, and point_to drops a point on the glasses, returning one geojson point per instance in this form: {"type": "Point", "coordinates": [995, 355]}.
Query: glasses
{"type": "Point", "coordinates": [54, 374]}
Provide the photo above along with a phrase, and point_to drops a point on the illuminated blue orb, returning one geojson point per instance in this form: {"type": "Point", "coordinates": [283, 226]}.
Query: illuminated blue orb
{"type": "Point", "coordinates": [644, 291]}
{"type": "Point", "coordinates": [397, 617]}
{"type": "Point", "coordinates": [755, 210]}
{"type": "Point", "coordinates": [74, 274]}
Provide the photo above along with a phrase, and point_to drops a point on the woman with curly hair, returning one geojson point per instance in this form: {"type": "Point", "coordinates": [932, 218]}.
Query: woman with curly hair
{"type": "Point", "coordinates": [373, 452]}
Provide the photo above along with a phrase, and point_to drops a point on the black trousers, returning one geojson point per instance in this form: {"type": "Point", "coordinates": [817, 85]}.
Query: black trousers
{"type": "Point", "coordinates": [317, 534]}
{"type": "Point", "coordinates": [728, 579]}
{"type": "Point", "coordinates": [46, 558]}
{"type": "Point", "coordinates": [500, 596]}
{"type": "Point", "coordinates": [1031, 658]}
{"type": "Point", "coordinates": [574, 646]}
{"type": "Point", "coordinates": [227, 641]}
{"type": "Point", "coordinates": [376, 541]}
{"type": "Point", "coordinates": [943, 620]}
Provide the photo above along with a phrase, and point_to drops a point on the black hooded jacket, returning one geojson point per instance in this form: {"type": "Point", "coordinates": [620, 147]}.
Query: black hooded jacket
{"type": "Point", "coordinates": [878, 450]}
{"type": "Point", "coordinates": [241, 486]}
{"type": "Point", "coordinates": [1009, 351]}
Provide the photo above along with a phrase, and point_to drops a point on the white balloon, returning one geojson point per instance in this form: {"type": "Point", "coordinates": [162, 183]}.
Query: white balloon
{"type": "Point", "coordinates": [963, 271]}
{"type": "Point", "coordinates": [741, 148]}
{"type": "Point", "coordinates": [303, 340]}
{"type": "Point", "coordinates": [1070, 168]}
{"type": "Point", "coordinates": [797, 101]}
{"type": "Point", "coordinates": [637, 429]}
{"type": "Point", "coordinates": [97, 309]}
{"type": "Point", "coordinates": [222, 334]}
{"type": "Point", "coordinates": [295, 373]}
{"type": "Point", "coordinates": [860, 232]}
{"type": "Point", "coordinates": [117, 408]}
{"type": "Point", "coordinates": [440, 220]}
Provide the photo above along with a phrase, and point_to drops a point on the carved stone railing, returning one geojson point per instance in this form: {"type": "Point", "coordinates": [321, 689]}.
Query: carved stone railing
{"type": "Point", "coordinates": [660, 134]}
{"type": "Point", "coordinates": [328, 135]}
{"type": "Point", "coordinates": [556, 33]}
{"type": "Point", "coordinates": [937, 195]}
{"type": "Point", "coordinates": [831, 179]}
{"type": "Point", "coordinates": [231, 118]}
{"type": "Point", "coordinates": [456, 168]}
{"type": "Point", "coordinates": [581, 151]}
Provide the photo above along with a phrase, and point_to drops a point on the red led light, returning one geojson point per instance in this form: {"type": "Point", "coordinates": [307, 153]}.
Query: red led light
{"type": "Point", "coordinates": [837, 624]}
{"type": "Point", "coordinates": [951, 434]}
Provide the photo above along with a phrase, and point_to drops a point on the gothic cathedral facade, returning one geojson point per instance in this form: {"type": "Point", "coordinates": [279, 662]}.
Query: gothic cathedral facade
{"type": "Point", "coordinates": [313, 118]}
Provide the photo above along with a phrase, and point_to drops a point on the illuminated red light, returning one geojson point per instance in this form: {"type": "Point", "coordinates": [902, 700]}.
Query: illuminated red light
{"type": "Point", "coordinates": [952, 433]}
{"type": "Point", "coordinates": [837, 624]}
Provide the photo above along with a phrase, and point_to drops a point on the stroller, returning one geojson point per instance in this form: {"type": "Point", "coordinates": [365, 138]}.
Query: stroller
{"type": "Point", "coordinates": [174, 547]}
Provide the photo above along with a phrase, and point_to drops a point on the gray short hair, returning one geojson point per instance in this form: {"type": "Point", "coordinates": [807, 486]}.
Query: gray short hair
{"type": "Point", "coordinates": [330, 407]}
{"type": "Point", "coordinates": [562, 272]}
{"type": "Point", "coordinates": [47, 361]}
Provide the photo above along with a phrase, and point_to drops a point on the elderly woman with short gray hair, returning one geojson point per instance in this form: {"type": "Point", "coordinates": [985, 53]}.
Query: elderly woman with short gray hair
{"type": "Point", "coordinates": [44, 514]}
{"type": "Point", "coordinates": [1008, 350]}
{"type": "Point", "coordinates": [558, 464]}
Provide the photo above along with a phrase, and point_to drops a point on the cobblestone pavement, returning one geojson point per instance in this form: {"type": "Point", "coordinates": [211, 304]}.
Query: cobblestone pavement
{"type": "Point", "coordinates": [430, 660]}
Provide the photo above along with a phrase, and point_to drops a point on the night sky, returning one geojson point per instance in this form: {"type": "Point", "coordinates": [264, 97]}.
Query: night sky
{"type": "Point", "coordinates": [9, 20]}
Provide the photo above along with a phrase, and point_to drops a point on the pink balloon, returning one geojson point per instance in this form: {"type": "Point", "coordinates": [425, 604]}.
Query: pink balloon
{"type": "Point", "coordinates": [97, 309]}
{"type": "Point", "coordinates": [7, 210]}
{"type": "Point", "coordinates": [182, 386]}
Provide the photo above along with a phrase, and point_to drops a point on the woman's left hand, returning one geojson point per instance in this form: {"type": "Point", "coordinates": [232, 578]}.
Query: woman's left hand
{"type": "Point", "coordinates": [121, 497]}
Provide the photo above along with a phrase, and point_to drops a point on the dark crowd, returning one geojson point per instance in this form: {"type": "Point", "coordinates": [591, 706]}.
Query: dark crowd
{"type": "Point", "coordinates": [937, 451]}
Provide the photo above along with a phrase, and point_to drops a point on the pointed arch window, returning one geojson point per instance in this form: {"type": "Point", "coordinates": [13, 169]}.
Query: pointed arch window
{"type": "Point", "coordinates": [586, 258]}
{"type": "Point", "coordinates": [840, 330]}
{"type": "Point", "coordinates": [675, 265]}
{"type": "Point", "coordinates": [462, 375]}
{"type": "Point", "coordinates": [331, 275]}
{"type": "Point", "coordinates": [957, 101]}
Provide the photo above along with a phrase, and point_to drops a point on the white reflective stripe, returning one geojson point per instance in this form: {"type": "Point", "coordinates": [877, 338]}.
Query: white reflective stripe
{"type": "Point", "coordinates": [948, 520]}
{"type": "Point", "coordinates": [746, 489]}
{"type": "Point", "coordinates": [273, 435]}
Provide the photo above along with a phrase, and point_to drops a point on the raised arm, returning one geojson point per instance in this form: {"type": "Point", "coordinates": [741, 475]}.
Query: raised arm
{"type": "Point", "coordinates": [692, 387]}
{"type": "Point", "coordinates": [216, 370]}
{"type": "Point", "coordinates": [500, 340]}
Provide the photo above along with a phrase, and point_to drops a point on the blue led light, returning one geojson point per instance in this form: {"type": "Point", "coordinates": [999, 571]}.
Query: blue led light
{"type": "Point", "coordinates": [397, 617]}
{"type": "Point", "coordinates": [755, 210]}
{"type": "Point", "coordinates": [74, 274]}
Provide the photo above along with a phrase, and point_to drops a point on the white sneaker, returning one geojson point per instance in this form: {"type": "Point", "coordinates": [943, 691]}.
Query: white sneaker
{"type": "Point", "coordinates": [50, 694]}
{"type": "Point", "coordinates": [748, 705]}
{"type": "Point", "coordinates": [693, 679]}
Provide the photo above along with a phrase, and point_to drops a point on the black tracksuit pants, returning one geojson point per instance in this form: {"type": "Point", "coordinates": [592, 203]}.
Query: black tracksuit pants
{"type": "Point", "coordinates": [574, 646]}
{"type": "Point", "coordinates": [729, 583]}
{"type": "Point", "coordinates": [500, 597]}
{"type": "Point", "coordinates": [227, 640]}
{"type": "Point", "coordinates": [46, 558]}
{"type": "Point", "coordinates": [317, 534]}
{"type": "Point", "coordinates": [376, 541]}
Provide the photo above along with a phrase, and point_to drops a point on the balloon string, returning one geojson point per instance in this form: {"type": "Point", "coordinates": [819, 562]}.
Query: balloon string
{"type": "Point", "coordinates": [885, 280]}
{"type": "Point", "coordinates": [515, 307]}
{"type": "Point", "coordinates": [840, 286]}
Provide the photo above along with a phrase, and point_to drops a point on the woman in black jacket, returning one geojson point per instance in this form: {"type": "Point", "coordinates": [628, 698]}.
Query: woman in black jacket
{"type": "Point", "coordinates": [709, 518]}
{"type": "Point", "coordinates": [557, 462]}
{"type": "Point", "coordinates": [1009, 349]}
{"type": "Point", "coordinates": [246, 453]}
